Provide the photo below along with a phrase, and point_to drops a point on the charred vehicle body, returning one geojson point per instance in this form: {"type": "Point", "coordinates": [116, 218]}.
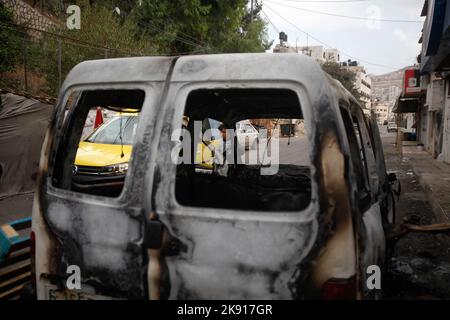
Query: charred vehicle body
{"type": "Point", "coordinates": [308, 229]}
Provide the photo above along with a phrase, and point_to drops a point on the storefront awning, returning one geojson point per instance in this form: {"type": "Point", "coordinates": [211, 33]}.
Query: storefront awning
{"type": "Point", "coordinates": [406, 105]}
{"type": "Point", "coordinates": [435, 37]}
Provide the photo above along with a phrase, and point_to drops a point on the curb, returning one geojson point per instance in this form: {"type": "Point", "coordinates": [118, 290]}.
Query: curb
{"type": "Point", "coordinates": [439, 212]}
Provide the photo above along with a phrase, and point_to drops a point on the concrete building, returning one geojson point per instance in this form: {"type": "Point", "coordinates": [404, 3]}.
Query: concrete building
{"type": "Point", "coordinates": [332, 55]}
{"type": "Point", "coordinates": [363, 83]}
{"type": "Point", "coordinates": [386, 88]}
{"type": "Point", "coordinates": [284, 48]}
{"type": "Point", "coordinates": [434, 111]}
{"type": "Point", "coordinates": [426, 88]}
{"type": "Point", "coordinates": [408, 106]}
{"type": "Point", "coordinates": [381, 112]}
{"type": "Point", "coordinates": [316, 52]}
{"type": "Point", "coordinates": [319, 53]}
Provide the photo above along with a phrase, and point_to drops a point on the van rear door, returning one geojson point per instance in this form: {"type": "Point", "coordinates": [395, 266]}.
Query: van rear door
{"type": "Point", "coordinates": [97, 231]}
{"type": "Point", "coordinates": [241, 236]}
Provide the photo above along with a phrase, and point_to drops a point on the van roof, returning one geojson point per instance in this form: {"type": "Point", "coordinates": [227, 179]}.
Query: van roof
{"type": "Point", "coordinates": [215, 67]}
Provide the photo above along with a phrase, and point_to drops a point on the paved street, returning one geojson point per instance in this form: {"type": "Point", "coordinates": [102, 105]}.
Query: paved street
{"type": "Point", "coordinates": [420, 265]}
{"type": "Point", "coordinates": [16, 207]}
{"type": "Point", "coordinates": [293, 150]}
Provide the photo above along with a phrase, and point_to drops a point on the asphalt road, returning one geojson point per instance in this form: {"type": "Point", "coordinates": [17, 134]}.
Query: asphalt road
{"type": "Point", "coordinates": [16, 207]}
{"type": "Point", "coordinates": [293, 150]}
{"type": "Point", "coordinates": [419, 267]}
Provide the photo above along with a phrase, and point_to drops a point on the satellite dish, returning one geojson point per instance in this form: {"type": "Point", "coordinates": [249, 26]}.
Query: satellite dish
{"type": "Point", "coordinates": [117, 10]}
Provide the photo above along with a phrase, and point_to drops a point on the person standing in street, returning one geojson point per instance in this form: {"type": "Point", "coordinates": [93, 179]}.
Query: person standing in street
{"type": "Point", "coordinates": [220, 165]}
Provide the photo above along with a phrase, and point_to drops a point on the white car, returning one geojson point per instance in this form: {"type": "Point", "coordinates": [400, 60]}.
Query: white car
{"type": "Point", "coordinates": [392, 127]}
{"type": "Point", "coordinates": [247, 135]}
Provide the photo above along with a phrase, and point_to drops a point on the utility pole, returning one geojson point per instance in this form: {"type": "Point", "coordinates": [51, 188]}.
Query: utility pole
{"type": "Point", "coordinates": [59, 64]}
{"type": "Point", "coordinates": [25, 65]}
{"type": "Point", "coordinates": [307, 42]}
{"type": "Point", "coordinates": [251, 11]}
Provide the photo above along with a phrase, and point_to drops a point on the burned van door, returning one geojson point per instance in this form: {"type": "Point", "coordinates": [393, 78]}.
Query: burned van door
{"type": "Point", "coordinates": [239, 236]}
{"type": "Point", "coordinates": [373, 238]}
{"type": "Point", "coordinates": [379, 153]}
{"type": "Point", "coordinates": [386, 196]}
{"type": "Point", "coordinates": [100, 235]}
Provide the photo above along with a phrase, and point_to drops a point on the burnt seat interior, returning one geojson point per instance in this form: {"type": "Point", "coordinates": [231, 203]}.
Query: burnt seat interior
{"type": "Point", "coordinates": [244, 187]}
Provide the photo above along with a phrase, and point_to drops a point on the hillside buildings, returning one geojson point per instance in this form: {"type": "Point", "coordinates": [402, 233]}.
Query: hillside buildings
{"type": "Point", "coordinates": [363, 82]}
{"type": "Point", "coordinates": [381, 112]}
{"type": "Point", "coordinates": [319, 53]}
{"type": "Point", "coordinates": [386, 88]}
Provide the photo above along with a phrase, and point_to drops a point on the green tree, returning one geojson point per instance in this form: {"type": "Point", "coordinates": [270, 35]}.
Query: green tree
{"type": "Point", "coordinates": [345, 76]}
{"type": "Point", "coordinates": [209, 26]}
{"type": "Point", "coordinates": [100, 28]}
{"type": "Point", "coordinates": [254, 33]}
{"type": "Point", "coordinates": [10, 39]}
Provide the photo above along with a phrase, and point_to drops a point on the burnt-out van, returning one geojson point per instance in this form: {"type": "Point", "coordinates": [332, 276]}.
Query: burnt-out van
{"type": "Point", "coordinates": [298, 216]}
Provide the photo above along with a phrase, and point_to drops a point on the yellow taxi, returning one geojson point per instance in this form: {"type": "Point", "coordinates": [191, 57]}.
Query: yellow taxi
{"type": "Point", "coordinates": [102, 158]}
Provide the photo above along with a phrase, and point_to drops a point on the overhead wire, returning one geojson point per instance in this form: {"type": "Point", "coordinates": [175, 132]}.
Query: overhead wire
{"type": "Point", "coordinates": [345, 16]}
{"type": "Point", "coordinates": [328, 45]}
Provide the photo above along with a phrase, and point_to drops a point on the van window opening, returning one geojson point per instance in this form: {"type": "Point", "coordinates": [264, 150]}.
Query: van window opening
{"type": "Point", "coordinates": [94, 153]}
{"type": "Point", "coordinates": [357, 158]}
{"type": "Point", "coordinates": [254, 126]}
{"type": "Point", "coordinates": [362, 152]}
{"type": "Point", "coordinates": [110, 134]}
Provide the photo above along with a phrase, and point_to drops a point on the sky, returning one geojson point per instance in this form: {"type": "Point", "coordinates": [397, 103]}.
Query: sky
{"type": "Point", "coordinates": [380, 46]}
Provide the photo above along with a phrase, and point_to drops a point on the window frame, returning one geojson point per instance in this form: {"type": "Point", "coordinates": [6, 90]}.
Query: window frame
{"type": "Point", "coordinates": [125, 125]}
{"type": "Point", "coordinates": [63, 117]}
{"type": "Point", "coordinates": [179, 105]}
{"type": "Point", "coordinates": [363, 183]}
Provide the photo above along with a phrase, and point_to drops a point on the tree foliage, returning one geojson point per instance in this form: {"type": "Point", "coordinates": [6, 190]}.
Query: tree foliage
{"type": "Point", "coordinates": [10, 40]}
{"type": "Point", "coordinates": [139, 27]}
{"type": "Point", "coordinates": [210, 26]}
{"type": "Point", "coordinates": [100, 27]}
{"type": "Point", "coordinates": [345, 76]}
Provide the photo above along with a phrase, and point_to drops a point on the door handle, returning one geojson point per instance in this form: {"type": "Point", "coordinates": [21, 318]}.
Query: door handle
{"type": "Point", "coordinates": [153, 234]}
{"type": "Point", "coordinates": [158, 237]}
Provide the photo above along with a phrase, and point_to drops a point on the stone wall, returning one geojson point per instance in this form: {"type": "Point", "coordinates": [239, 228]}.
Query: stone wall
{"type": "Point", "coordinates": [26, 15]}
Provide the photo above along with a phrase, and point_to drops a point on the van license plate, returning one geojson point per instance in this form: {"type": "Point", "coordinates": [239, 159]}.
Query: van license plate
{"type": "Point", "coordinates": [53, 293]}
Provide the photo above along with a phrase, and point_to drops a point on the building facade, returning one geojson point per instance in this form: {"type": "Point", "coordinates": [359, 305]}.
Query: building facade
{"type": "Point", "coordinates": [319, 53]}
{"type": "Point", "coordinates": [426, 88]}
{"type": "Point", "coordinates": [381, 112]}
{"type": "Point", "coordinates": [363, 83]}
{"type": "Point", "coordinates": [435, 78]}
